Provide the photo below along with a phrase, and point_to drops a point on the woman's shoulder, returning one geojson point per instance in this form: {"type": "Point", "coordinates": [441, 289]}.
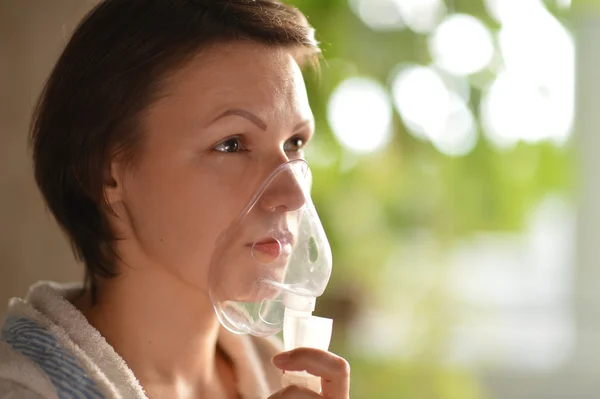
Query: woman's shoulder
{"type": "Point", "coordinates": [31, 356]}
{"type": "Point", "coordinates": [12, 390]}
{"type": "Point", "coordinates": [20, 377]}
{"type": "Point", "coordinates": [44, 336]}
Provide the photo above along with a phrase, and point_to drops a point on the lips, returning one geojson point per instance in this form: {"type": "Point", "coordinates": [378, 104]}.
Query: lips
{"type": "Point", "coordinates": [270, 249]}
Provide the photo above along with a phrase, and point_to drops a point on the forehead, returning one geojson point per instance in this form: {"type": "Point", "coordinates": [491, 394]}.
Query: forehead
{"type": "Point", "coordinates": [241, 73]}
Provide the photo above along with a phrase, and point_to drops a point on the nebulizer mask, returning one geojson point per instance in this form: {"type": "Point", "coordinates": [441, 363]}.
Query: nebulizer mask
{"type": "Point", "coordinates": [272, 263]}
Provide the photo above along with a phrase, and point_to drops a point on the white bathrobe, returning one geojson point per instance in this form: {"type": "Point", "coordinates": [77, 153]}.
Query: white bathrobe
{"type": "Point", "coordinates": [49, 350]}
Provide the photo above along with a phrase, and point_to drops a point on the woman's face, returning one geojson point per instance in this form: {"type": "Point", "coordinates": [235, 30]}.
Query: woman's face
{"type": "Point", "coordinates": [224, 123]}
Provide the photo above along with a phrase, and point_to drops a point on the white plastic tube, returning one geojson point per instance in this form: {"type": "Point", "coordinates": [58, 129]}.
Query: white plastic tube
{"type": "Point", "coordinates": [302, 329]}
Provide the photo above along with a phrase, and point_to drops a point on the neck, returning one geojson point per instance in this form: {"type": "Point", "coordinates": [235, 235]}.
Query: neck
{"type": "Point", "coordinates": [165, 330]}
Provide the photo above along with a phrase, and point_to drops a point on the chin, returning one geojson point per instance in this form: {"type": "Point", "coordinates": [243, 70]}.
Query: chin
{"type": "Point", "coordinates": [257, 289]}
{"type": "Point", "coordinates": [243, 279]}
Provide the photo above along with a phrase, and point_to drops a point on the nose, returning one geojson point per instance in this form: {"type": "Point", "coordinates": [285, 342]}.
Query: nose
{"type": "Point", "coordinates": [285, 192]}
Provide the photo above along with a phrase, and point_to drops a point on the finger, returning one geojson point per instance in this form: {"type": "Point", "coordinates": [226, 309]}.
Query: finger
{"type": "Point", "coordinates": [333, 370]}
{"type": "Point", "coordinates": [295, 392]}
{"type": "Point", "coordinates": [315, 361]}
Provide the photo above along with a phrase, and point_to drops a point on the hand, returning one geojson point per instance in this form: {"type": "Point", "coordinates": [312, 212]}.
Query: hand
{"type": "Point", "coordinates": [333, 370]}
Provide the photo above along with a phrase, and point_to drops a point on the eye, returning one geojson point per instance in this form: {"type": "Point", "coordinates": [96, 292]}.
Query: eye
{"type": "Point", "coordinates": [295, 144]}
{"type": "Point", "coordinates": [231, 145]}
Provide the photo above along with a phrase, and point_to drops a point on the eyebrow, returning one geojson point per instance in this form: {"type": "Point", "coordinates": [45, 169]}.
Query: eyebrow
{"type": "Point", "coordinates": [244, 114]}
{"type": "Point", "coordinates": [303, 124]}
{"type": "Point", "coordinates": [255, 119]}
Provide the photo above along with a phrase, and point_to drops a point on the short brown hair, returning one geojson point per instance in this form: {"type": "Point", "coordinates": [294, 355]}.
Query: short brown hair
{"type": "Point", "coordinates": [109, 72]}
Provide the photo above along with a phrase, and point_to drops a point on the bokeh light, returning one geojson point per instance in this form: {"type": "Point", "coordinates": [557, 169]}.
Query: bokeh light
{"type": "Point", "coordinates": [431, 111]}
{"type": "Point", "coordinates": [360, 115]}
{"type": "Point", "coordinates": [564, 4]}
{"type": "Point", "coordinates": [379, 15]}
{"type": "Point", "coordinates": [421, 16]}
{"type": "Point", "coordinates": [505, 11]}
{"type": "Point", "coordinates": [461, 45]}
{"type": "Point", "coordinates": [532, 98]}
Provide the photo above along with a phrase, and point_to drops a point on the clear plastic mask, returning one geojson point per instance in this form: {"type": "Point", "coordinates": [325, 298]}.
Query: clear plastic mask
{"type": "Point", "coordinates": [274, 252]}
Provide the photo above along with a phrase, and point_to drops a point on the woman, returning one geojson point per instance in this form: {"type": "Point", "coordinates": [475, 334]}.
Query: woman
{"type": "Point", "coordinates": [151, 118]}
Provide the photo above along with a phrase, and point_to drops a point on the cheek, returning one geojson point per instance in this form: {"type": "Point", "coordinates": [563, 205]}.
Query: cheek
{"type": "Point", "coordinates": [176, 217]}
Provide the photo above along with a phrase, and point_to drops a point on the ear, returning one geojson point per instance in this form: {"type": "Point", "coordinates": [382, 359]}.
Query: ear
{"type": "Point", "coordinates": [113, 182]}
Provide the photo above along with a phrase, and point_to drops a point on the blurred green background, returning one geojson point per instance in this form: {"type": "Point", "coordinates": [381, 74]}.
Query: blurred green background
{"type": "Point", "coordinates": [439, 123]}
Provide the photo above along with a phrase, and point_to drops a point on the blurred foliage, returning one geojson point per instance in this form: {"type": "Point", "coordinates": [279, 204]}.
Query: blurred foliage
{"type": "Point", "coordinates": [369, 202]}
{"type": "Point", "coordinates": [409, 381]}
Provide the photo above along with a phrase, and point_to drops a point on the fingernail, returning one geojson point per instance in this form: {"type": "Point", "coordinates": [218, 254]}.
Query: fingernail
{"type": "Point", "coordinates": [281, 359]}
